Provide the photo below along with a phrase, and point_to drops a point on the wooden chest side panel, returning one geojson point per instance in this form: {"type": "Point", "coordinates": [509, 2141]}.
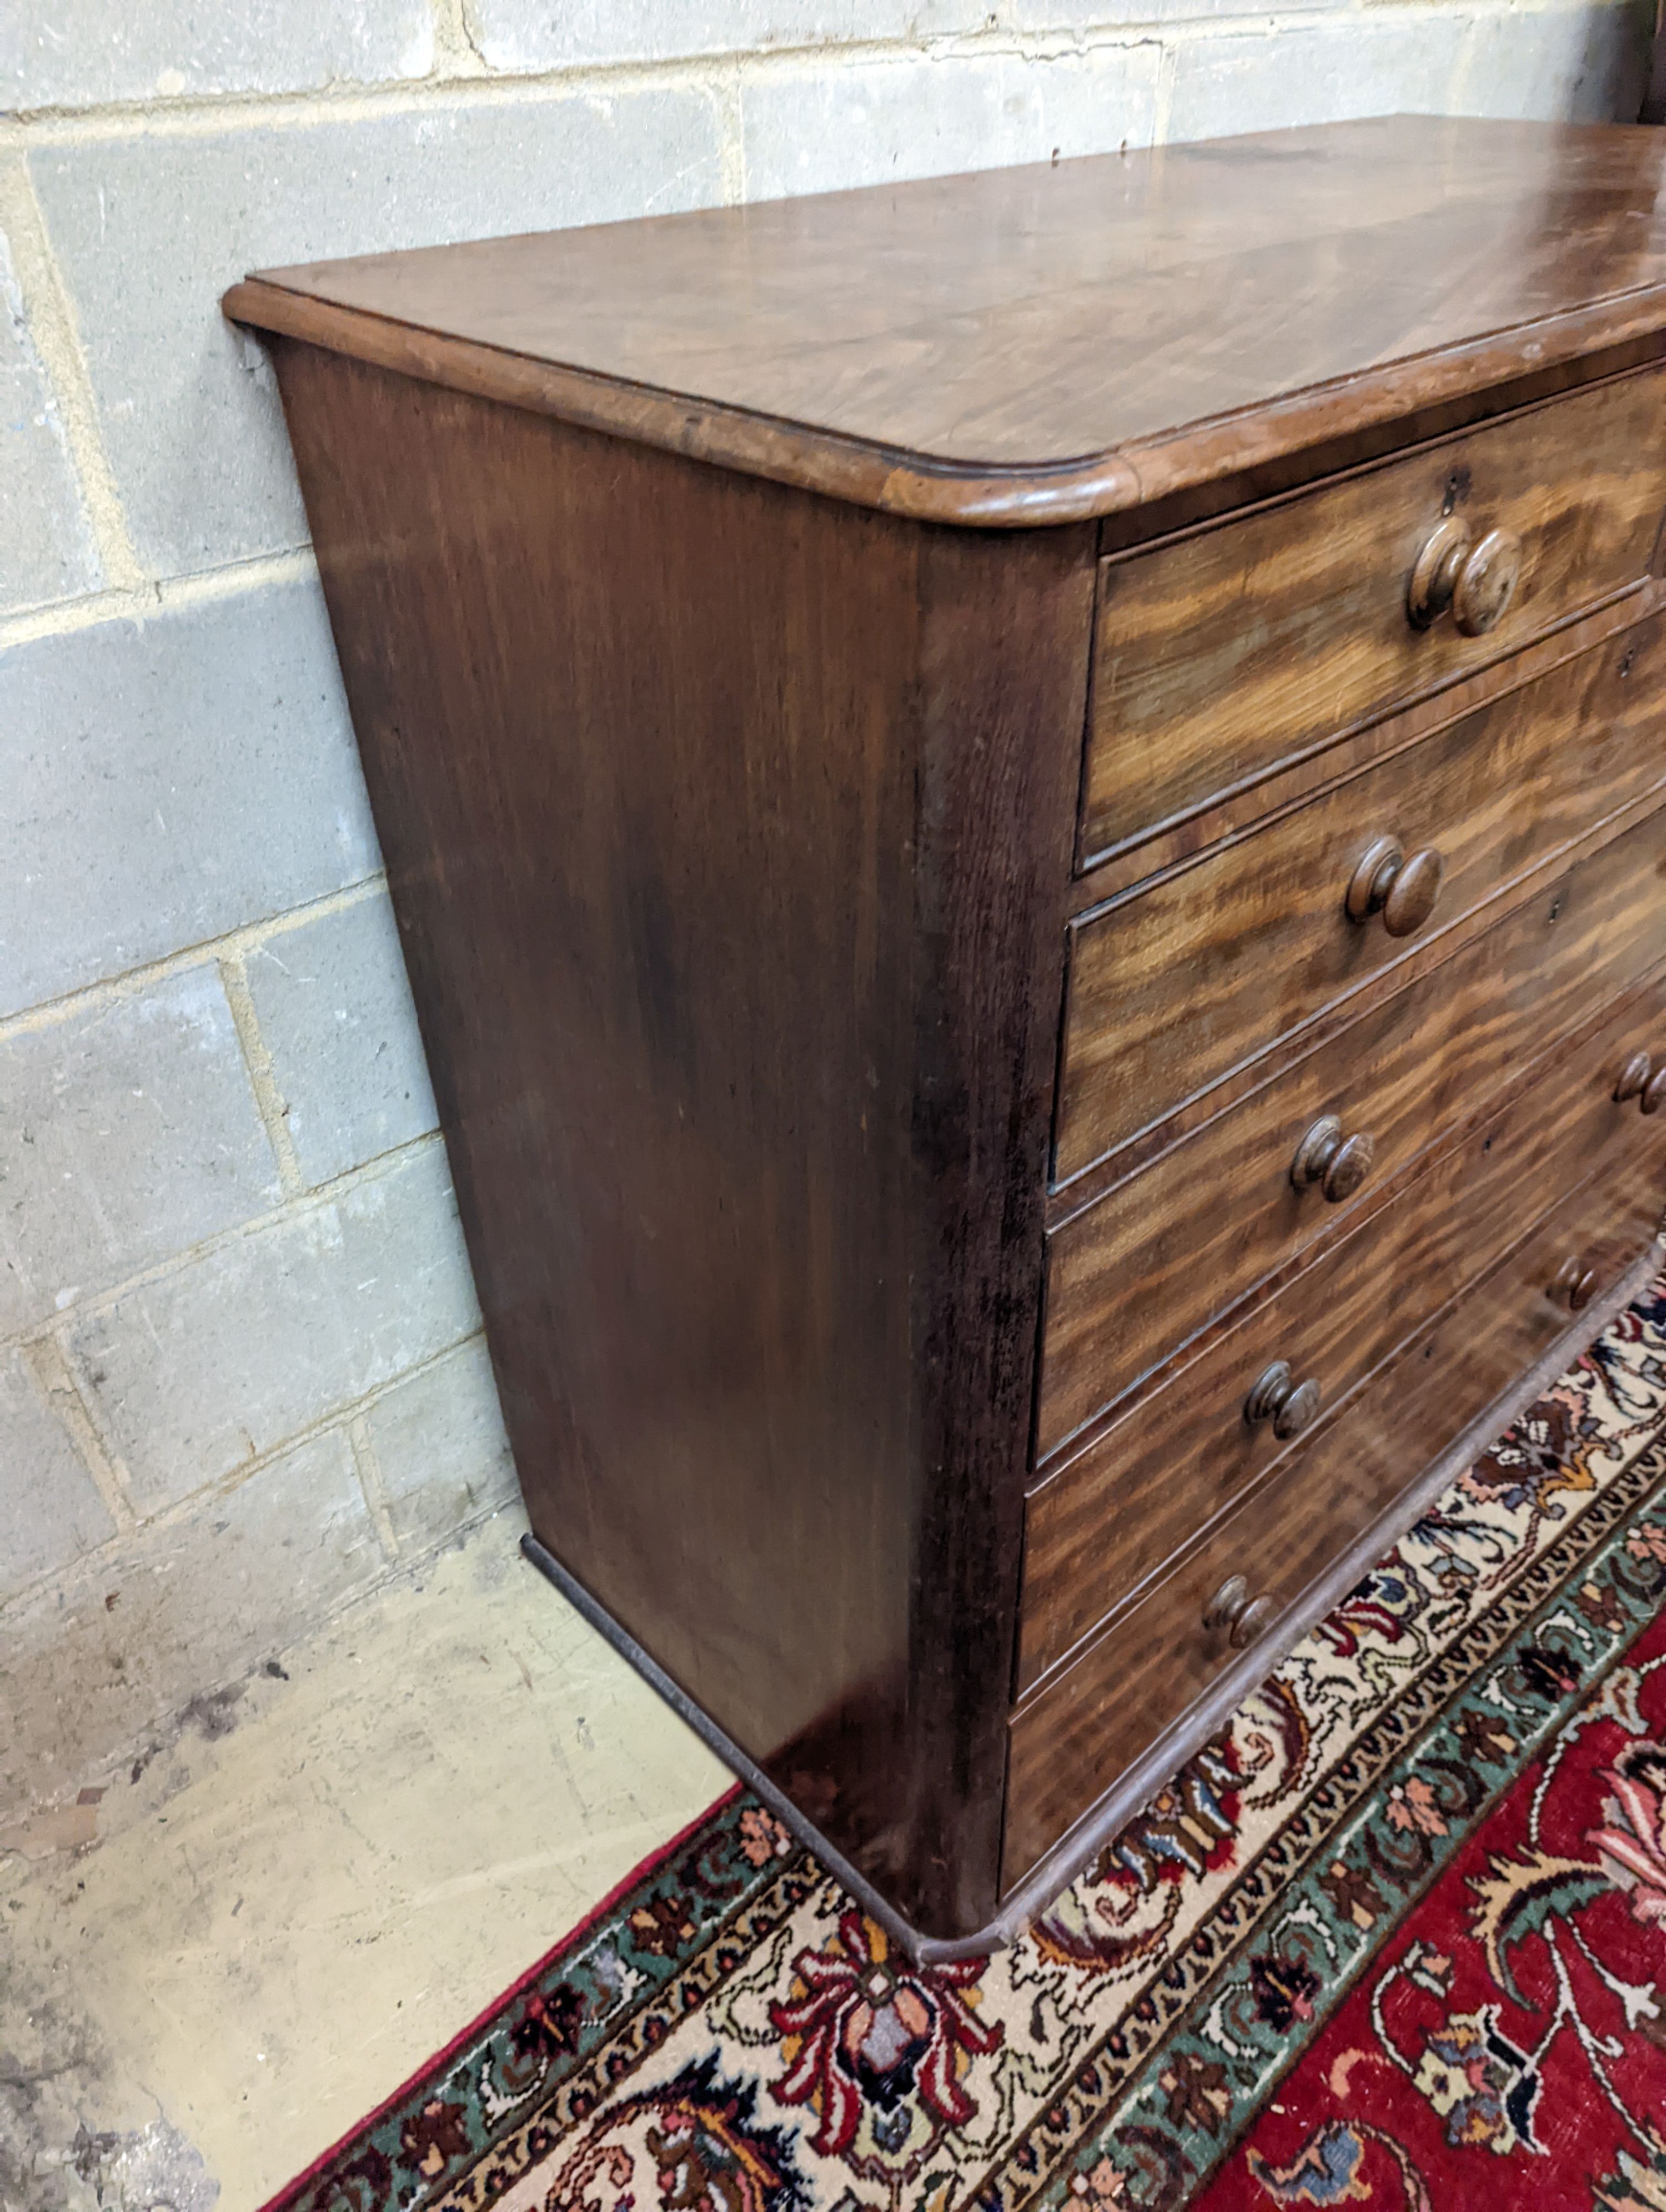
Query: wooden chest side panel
{"type": "Point", "coordinates": [742, 1041]}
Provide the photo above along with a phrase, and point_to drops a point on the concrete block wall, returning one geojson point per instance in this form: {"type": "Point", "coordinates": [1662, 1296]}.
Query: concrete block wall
{"type": "Point", "coordinates": [241, 1371]}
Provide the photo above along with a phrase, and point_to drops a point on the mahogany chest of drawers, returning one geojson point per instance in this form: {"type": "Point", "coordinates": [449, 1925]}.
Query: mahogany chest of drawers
{"type": "Point", "coordinates": [1028, 814]}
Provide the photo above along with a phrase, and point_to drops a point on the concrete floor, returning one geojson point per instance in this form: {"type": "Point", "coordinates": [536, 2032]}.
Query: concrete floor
{"type": "Point", "coordinates": [265, 1930]}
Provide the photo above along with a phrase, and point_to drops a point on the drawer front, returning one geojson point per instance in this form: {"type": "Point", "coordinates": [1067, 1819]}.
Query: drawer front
{"type": "Point", "coordinates": [1132, 1277]}
{"type": "Point", "coordinates": [1209, 966]}
{"type": "Point", "coordinates": [1181, 1454]}
{"type": "Point", "coordinates": [1069, 1745]}
{"type": "Point", "coordinates": [1220, 656]}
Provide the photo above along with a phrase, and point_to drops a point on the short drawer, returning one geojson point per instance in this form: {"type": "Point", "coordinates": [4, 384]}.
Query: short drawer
{"type": "Point", "coordinates": [1135, 1274]}
{"type": "Point", "coordinates": [1225, 655]}
{"type": "Point", "coordinates": [1070, 1743]}
{"type": "Point", "coordinates": [1181, 1454]}
{"type": "Point", "coordinates": [1198, 973]}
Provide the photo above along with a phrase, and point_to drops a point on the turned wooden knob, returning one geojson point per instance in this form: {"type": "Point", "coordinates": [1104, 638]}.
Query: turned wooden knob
{"type": "Point", "coordinates": [1245, 1618]}
{"type": "Point", "coordinates": [1476, 582]}
{"type": "Point", "coordinates": [1641, 1079]}
{"type": "Point", "coordinates": [1574, 1287]}
{"type": "Point", "coordinates": [1276, 1396]}
{"type": "Point", "coordinates": [1487, 582]}
{"type": "Point", "coordinates": [1337, 1164]}
{"type": "Point", "coordinates": [1402, 891]}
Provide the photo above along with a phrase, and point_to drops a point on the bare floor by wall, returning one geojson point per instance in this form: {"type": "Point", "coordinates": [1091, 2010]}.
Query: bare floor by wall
{"type": "Point", "coordinates": [258, 1932]}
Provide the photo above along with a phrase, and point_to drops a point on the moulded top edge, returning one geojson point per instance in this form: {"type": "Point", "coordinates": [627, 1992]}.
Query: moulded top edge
{"type": "Point", "coordinates": [1049, 343]}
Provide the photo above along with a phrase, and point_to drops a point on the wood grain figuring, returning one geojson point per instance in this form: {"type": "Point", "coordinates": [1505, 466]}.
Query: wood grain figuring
{"type": "Point", "coordinates": [1256, 935]}
{"type": "Point", "coordinates": [1070, 1742]}
{"type": "Point", "coordinates": [1222, 656]}
{"type": "Point", "coordinates": [699, 800]}
{"type": "Point", "coordinates": [1231, 814]}
{"type": "Point", "coordinates": [1136, 1275]}
{"type": "Point", "coordinates": [1427, 954]}
{"type": "Point", "coordinates": [1180, 1454]}
{"type": "Point", "coordinates": [1041, 344]}
{"type": "Point", "coordinates": [1144, 1776]}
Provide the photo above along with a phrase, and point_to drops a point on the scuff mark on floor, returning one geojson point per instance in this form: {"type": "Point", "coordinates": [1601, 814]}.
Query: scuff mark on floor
{"type": "Point", "coordinates": [71, 1828]}
{"type": "Point", "coordinates": [212, 1716]}
{"type": "Point", "coordinates": [155, 2169]}
{"type": "Point", "coordinates": [74, 1826]}
{"type": "Point", "coordinates": [51, 2068]}
{"type": "Point", "coordinates": [52, 2161]}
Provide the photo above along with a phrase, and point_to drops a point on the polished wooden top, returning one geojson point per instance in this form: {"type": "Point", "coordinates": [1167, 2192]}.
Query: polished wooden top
{"type": "Point", "coordinates": [1040, 343]}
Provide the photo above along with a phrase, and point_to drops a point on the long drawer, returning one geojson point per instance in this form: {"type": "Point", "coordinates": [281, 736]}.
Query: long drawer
{"type": "Point", "coordinates": [1068, 1744]}
{"type": "Point", "coordinates": [1180, 1454]}
{"type": "Point", "coordinates": [1135, 1274]}
{"type": "Point", "coordinates": [1224, 653]}
{"type": "Point", "coordinates": [1208, 966]}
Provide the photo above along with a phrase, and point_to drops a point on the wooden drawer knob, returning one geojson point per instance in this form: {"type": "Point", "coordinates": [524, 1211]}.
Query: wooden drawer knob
{"type": "Point", "coordinates": [1641, 1079]}
{"type": "Point", "coordinates": [1245, 1618]}
{"type": "Point", "coordinates": [1276, 1396]}
{"type": "Point", "coordinates": [1337, 1164]}
{"type": "Point", "coordinates": [1487, 582]}
{"type": "Point", "coordinates": [1476, 582]}
{"type": "Point", "coordinates": [1574, 1287]}
{"type": "Point", "coordinates": [1402, 891]}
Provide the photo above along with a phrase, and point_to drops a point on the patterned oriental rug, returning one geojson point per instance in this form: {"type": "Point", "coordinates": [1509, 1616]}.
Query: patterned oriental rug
{"type": "Point", "coordinates": [1397, 1939]}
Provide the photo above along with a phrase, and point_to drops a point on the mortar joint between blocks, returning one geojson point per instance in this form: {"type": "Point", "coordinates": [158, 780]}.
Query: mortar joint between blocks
{"type": "Point", "coordinates": [314, 1198]}
{"type": "Point", "coordinates": [367, 1468]}
{"type": "Point", "coordinates": [234, 944]}
{"type": "Point", "coordinates": [178, 1511]}
{"type": "Point", "coordinates": [57, 1376]}
{"type": "Point", "coordinates": [150, 596]}
{"type": "Point", "coordinates": [729, 99]}
{"type": "Point", "coordinates": [461, 72]}
{"type": "Point", "coordinates": [56, 339]}
{"type": "Point", "coordinates": [455, 52]}
{"type": "Point", "coordinates": [1162, 94]}
{"type": "Point", "coordinates": [269, 1099]}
